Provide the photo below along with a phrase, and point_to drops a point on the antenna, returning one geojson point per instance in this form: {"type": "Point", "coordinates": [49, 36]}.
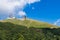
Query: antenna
{"type": "Point", "coordinates": [24, 17]}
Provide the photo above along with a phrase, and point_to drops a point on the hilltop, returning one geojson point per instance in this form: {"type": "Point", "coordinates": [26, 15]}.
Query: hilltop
{"type": "Point", "coordinates": [30, 23]}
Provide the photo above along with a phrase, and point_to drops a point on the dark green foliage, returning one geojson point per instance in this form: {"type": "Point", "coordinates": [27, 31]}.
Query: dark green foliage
{"type": "Point", "coordinates": [10, 31]}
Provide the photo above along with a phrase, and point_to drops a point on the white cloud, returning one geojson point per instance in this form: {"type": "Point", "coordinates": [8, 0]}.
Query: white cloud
{"type": "Point", "coordinates": [9, 6]}
{"type": "Point", "coordinates": [21, 13]}
{"type": "Point", "coordinates": [33, 8]}
{"type": "Point", "coordinates": [57, 22]}
{"type": "Point", "coordinates": [32, 1]}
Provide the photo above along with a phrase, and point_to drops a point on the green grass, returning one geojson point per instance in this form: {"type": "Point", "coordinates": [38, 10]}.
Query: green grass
{"type": "Point", "coordinates": [15, 29]}
{"type": "Point", "coordinates": [30, 23]}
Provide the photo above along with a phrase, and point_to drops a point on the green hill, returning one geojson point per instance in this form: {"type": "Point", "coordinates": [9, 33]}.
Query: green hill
{"type": "Point", "coordinates": [30, 23]}
{"type": "Point", "coordinates": [14, 29]}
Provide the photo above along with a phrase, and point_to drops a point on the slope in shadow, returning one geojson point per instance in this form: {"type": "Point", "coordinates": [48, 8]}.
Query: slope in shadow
{"type": "Point", "coordinates": [10, 31]}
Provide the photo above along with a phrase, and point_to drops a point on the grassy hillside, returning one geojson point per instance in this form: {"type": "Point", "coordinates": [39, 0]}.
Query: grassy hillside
{"type": "Point", "coordinates": [30, 23]}
{"type": "Point", "coordinates": [14, 29]}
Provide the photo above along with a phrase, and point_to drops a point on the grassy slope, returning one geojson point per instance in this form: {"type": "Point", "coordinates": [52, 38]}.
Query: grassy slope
{"type": "Point", "coordinates": [27, 30]}
{"type": "Point", "coordinates": [30, 23]}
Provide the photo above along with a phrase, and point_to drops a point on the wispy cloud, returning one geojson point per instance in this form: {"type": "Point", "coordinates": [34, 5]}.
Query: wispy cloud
{"type": "Point", "coordinates": [9, 6]}
{"type": "Point", "coordinates": [57, 22]}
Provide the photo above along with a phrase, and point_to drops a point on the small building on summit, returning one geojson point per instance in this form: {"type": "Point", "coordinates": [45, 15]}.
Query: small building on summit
{"type": "Point", "coordinates": [11, 16]}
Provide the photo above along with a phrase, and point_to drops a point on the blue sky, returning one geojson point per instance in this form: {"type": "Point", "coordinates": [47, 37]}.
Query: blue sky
{"type": "Point", "coordinates": [43, 10]}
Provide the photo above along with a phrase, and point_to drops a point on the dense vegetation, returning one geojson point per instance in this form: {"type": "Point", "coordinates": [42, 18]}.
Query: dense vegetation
{"type": "Point", "coordinates": [23, 30]}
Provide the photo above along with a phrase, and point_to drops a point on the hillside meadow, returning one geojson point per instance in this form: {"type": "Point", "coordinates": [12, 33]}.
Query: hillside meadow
{"type": "Point", "coordinates": [28, 30]}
